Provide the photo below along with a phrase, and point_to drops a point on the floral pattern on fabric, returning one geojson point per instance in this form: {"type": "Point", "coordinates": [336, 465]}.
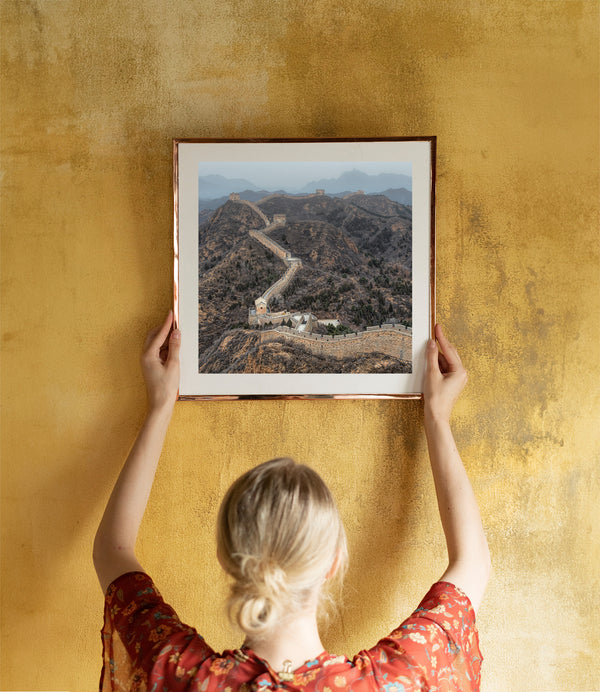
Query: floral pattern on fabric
{"type": "Point", "coordinates": [148, 649]}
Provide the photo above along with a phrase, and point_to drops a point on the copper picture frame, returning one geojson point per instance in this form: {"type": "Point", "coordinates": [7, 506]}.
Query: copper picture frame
{"type": "Point", "coordinates": [304, 268]}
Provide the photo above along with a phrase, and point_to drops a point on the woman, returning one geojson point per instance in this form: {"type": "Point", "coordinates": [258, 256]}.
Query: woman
{"type": "Point", "coordinates": [281, 540]}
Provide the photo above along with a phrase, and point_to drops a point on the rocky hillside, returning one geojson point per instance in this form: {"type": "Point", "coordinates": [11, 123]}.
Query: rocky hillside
{"type": "Point", "coordinates": [240, 351]}
{"type": "Point", "coordinates": [356, 263]}
{"type": "Point", "coordinates": [356, 255]}
{"type": "Point", "coordinates": [234, 270]}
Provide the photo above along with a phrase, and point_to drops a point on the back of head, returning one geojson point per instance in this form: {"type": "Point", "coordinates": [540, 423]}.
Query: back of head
{"type": "Point", "coordinates": [279, 534]}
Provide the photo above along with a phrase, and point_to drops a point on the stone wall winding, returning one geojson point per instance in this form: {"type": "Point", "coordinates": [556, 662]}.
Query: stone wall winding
{"type": "Point", "coordinates": [253, 206]}
{"type": "Point", "coordinates": [270, 244]}
{"type": "Point", "coordinates": [280, 285]}
{"type": "Point", "coordinates": [392, 340]}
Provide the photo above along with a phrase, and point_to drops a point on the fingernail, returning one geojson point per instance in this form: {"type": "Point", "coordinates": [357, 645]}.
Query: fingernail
{"type": "Point", "coordinates": [176, 334]}
{"type": "Point", "coordinates": [431, 343]}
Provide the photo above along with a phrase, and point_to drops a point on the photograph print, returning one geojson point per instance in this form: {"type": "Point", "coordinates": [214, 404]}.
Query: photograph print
{"type": "Point", "coordinates": [304, 271]}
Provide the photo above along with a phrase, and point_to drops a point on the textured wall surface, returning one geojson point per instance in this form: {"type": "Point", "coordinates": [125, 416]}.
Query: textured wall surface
{"type": "Point", "coordinates": [92, 94]}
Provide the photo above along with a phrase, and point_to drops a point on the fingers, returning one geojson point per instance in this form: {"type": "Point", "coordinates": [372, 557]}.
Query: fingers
{"type": "Point", "coordinates": [444, 367]}
{"type": "Point", "coordinates": [157, 337]}
{"type": "Point", "coordinates": [174, 346]}
{"type": "Point", "coordinates": [431, 355]}
{"type": "Point", "coordinates": [449, 358]}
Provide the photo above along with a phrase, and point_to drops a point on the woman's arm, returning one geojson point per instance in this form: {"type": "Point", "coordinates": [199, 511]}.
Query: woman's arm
{"type": "Point", "coordinates": [114, 545]}
{"type": "Point", "coordinates": [469, 562]}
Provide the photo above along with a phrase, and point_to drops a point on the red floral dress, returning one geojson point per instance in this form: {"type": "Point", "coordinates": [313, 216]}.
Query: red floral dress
{"type": "Point", "coordinates": [147, 648]}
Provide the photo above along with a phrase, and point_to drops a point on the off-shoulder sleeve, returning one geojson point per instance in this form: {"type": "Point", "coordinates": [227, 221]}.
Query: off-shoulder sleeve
{"type": "Point", "coordinates": [436, 647]}
{"type": "Point", "coordinates": [144, 641]}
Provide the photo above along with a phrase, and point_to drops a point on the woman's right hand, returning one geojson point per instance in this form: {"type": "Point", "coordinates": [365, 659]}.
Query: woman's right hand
{"type": "Point", "coordinates": [445, 377]}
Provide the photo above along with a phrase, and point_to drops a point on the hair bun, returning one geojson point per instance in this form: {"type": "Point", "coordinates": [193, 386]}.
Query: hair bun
{"type": "Point", "coordinates": [262, 593]}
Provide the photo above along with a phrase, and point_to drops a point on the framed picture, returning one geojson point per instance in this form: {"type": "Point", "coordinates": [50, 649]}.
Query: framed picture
{"type": "Point", "coordinates": [304, 268]}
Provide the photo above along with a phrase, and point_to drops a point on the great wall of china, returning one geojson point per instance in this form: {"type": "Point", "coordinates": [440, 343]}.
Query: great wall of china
{"type": "Point", "coordinates": [392, 339]}
{"type": "Point", "coordinates": [318, 193]}
{"type": "Point", "coordinates": [261, 314]}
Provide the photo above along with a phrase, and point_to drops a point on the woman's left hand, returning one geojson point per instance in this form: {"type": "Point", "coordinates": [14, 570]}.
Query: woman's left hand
{"type": "Point", "coordinates": [160, 364]}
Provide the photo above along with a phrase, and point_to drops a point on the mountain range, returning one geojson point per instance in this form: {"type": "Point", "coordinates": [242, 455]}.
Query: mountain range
{"type": "Point", "coordinates": [214, 190]}
{"type": "Point", "coordinates": [207, 206]}
{"type": "Point", "coordinates": [358, 180]}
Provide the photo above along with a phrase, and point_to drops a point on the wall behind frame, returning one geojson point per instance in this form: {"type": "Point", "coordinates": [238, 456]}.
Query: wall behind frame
{"type": "Point", "coordinates": [92, 94]}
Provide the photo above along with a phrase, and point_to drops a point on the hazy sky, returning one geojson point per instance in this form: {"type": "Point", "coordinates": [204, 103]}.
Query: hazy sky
{"type": "Point", "coordinates": [275, 175]}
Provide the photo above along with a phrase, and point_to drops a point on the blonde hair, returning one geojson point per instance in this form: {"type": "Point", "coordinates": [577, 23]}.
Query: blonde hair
{"type": "Point", "coordinates": [279, 535]}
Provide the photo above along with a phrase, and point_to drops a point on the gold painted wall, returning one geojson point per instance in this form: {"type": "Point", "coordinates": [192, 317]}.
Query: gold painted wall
{"type": "Point", "coordinates": [92, 94]}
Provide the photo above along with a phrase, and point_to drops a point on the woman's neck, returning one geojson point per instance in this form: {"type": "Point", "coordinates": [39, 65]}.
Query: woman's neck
{"type": "Point", "coordinates": [296, 639]}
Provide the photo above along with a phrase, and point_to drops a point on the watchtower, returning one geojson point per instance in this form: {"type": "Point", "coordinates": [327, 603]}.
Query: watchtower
{"type": "Point", "coordinates": [261, 306]}
{"type": "Point", "coordinates": [320, 192]}
{"type": "Point", "coordinates": [234, 196]}
{"type": "Point", "coordinates": [279, 218]}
